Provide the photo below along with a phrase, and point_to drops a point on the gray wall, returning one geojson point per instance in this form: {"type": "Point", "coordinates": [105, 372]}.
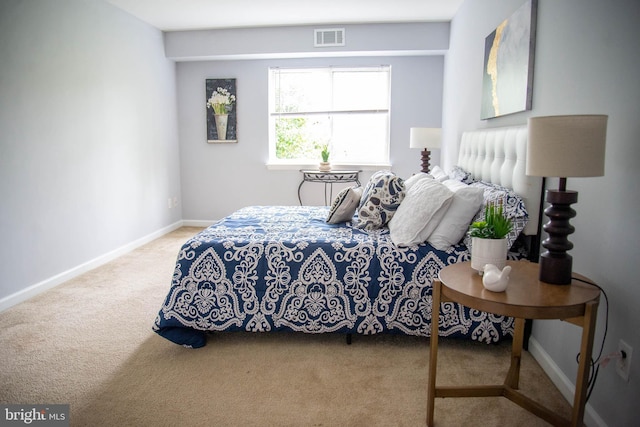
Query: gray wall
{"type": "Point", "coordinates": [88, 148]}
{"type": "Point", "coordinates": [586, 62]}
{"type": "Point", "coordinates": [219, 179]}
{"type": "Point", "coordinates": [297, 41]}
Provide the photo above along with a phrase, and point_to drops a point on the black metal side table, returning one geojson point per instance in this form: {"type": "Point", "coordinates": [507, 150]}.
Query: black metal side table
{"type": "Point", "coordinates": [328, 179]}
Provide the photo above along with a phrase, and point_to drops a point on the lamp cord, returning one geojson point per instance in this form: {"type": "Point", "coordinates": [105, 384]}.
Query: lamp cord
{"type": "Point", "coordinates": [595, 364]}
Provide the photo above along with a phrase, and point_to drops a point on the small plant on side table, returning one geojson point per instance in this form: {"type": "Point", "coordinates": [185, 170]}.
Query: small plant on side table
{"type": "Point", "coordinates": [325, 153]}
{"type": "Point", "coordinates": [494, 226]}
{"type": "Point", "coordinates": [488, 238]}
{"type": "Point", "coordinates": [324, 165]}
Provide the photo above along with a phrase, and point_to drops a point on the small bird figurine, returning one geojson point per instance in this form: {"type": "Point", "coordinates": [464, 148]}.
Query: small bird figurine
{"type": "Point", "coordinates": [495, 280]}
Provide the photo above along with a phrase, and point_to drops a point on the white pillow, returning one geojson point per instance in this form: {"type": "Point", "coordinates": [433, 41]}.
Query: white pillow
{"type": "Point", "coordinates": [466, 203]}
{"type": "Point", "coordinates": [438, 174]}
{"type": "Point", "coordinates": [409, 182]}
{"type": "Point", "coordinates": [344, 205]}
{"type": "Point", "coordinates": [420, 212]}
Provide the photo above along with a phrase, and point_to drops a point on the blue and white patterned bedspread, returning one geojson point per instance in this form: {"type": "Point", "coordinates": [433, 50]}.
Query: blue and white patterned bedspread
{"type": "Point", "coordinates": [270, 268]}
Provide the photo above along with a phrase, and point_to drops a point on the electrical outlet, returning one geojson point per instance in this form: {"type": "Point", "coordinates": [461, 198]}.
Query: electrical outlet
{"type": "Point", "coordinates": [169, 203]}
{"type": "Point", "coordinates": [623, 365]}
{"type": "Point", "coordinates": [175, 201]}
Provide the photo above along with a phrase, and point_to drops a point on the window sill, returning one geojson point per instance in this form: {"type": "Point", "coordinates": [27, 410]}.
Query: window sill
{"type": "Point", "coordinates": [335, 166]}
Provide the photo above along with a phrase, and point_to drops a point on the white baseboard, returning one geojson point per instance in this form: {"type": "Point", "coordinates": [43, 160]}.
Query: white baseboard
{"type": "Point", "coordinates": [560, 380]}
{"type": "Point", "coordinates": [33, 290]}
{"type": "Point", "coordinates": [197, 223]}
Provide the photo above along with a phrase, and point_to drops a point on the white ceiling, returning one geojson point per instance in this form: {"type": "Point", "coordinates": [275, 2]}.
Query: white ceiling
{"type": "Point", "coordinates": [173, 15]}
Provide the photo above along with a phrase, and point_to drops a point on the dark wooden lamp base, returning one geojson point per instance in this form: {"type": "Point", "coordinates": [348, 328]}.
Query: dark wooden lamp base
{"type": "Point", "coordinates": [426, 157]}
{"type": "Point", "coordinates": [555, 263]}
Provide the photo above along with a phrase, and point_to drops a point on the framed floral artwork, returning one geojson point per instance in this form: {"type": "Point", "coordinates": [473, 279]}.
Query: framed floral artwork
{"type": "Point", "coordinates": [222, 102]}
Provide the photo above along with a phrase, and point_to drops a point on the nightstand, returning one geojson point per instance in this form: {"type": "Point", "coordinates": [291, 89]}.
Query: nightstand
{"type": "Point", "coordinates": [526, 297]}
{"type": "Point", "coordinates": [328, 178]}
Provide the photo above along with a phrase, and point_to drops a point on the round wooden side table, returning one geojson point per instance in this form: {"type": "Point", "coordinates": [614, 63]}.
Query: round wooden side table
{"type": "Point", "coordinates": [526, 297]}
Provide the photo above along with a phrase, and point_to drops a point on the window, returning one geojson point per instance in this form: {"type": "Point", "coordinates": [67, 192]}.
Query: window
{"type": "Point", "coordinates": [345, 109]}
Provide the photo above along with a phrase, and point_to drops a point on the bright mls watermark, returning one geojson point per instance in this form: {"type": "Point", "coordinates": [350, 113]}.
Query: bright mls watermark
{"type": "Point", "coordinates": [34, 415]}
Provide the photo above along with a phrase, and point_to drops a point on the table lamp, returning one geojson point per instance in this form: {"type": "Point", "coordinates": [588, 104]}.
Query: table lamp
{"type": "Point", "coordinates": [425, 138]}
{"type": "Point", "coordinates": [563, 146]}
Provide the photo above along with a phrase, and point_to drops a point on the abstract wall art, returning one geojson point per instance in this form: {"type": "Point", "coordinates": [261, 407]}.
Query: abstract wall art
{"type": "Point", "coordinates": [508, 64]}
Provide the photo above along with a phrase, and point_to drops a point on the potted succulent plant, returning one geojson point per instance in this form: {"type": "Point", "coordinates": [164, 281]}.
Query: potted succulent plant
{"type": "Point", "coordinates": [489, 238]}
{"type": "Point", "coordinates": [324, 164]}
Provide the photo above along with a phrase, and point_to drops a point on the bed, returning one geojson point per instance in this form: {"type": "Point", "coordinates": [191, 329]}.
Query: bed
{"type": "Point", "coordinates": [320, 269]}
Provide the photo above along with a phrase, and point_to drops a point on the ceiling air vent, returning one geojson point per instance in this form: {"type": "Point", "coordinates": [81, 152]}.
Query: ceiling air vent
{"type": "Point", "coordinates": [327, 37]}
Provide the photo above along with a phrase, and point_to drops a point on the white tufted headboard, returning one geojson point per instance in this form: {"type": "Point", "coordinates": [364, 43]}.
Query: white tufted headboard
{"type": "Point", "coordinates": [499, 156]}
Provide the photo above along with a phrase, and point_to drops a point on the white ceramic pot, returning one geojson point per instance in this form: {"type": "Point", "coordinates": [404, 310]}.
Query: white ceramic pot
{"type": "Point", "coordinates": [324, 167]}
{"type": "Point", "coordinates": [488, 251]}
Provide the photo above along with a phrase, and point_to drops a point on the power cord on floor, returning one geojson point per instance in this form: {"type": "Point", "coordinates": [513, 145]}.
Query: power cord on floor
{"type": "Point", "coordinates": [595, 364]}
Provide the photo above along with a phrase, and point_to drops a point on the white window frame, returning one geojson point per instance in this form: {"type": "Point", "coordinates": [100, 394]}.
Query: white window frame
{"type": "Point", "coordinates": [275, 163]}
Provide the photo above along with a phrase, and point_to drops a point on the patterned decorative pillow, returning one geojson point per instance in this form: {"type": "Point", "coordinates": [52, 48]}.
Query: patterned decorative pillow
{"type": "Point", "coordinates": [513, 206]}
{"type": "Point", "coordinates": [380, 200]}
{"type": "Point", "coordinates": [461, 175]}
{"type": "Point", "coordinates": [344, 205]}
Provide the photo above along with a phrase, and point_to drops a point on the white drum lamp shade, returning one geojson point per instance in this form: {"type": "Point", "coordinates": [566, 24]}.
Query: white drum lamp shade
{"type": "Point", "coordinates": [566, 146]}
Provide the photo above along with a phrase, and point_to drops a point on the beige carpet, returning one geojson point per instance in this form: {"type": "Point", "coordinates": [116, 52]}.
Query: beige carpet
{"type": "Point", "coordinates": [89, 343]}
